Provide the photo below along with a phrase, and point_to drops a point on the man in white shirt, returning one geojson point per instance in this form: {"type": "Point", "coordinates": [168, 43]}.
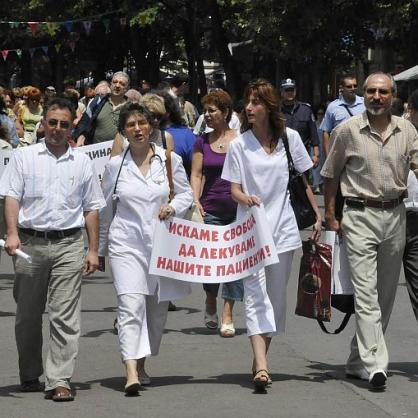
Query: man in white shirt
{"type": "Point", "coordinates": [50, 192]}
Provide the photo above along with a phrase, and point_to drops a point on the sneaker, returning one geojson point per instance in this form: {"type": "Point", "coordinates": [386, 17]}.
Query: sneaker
{"type": "Point", "coordinates": [353, 373]}
{"type": "Point", "coordinates": [378, 379]}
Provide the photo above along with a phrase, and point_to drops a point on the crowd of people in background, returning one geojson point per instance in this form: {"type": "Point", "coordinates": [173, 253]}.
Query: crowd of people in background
{"type": "Point", "coordinates": [227, 158]}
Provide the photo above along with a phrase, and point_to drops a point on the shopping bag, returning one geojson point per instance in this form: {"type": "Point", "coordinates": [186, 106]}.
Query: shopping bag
{"type": "Point", "coordinates": [342, 291]}
{"type": "Point", "coordinates": [314, 288]}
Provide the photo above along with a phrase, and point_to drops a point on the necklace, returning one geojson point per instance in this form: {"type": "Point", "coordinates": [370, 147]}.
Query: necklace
{"type": "Point", "coordinates": [221, 146]}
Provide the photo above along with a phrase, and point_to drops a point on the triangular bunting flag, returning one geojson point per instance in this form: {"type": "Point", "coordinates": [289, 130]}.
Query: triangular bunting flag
{"type": "Point", "coordinates": [33, 27]}
{"type": "Point", "coordinates": [32, 51]}
{"type": "Point", "coordinates": [51, 28]}
{"type": "Point", "coordinates": [69, 25]}
{"type": "Point", "coordinates": [87, 26]}
{"type": "Point", "coordinates": [72, 45]}
{"type": "Point", "coordinates": [106, 23]}
{"type": "Point", "coordinates": [45, 49]}
{"type": "Point", "coordinates": [19, 53]}
{"type": "Point", "coordinates": [4, 54]}
{"type": "Point", "coordinates": [57, 47]}
{"type": "Point", "coordinates": [122, 22]}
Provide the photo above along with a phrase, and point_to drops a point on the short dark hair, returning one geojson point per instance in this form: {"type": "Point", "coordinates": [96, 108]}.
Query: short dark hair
{"type": "Point", "coordinates": [413, 100]}
{"type": "Point", "coordinates": [131, 108]}
{"type": "Point", "coordinates": [347, 77]}
{"type": "Point", "coordinates": [60, 103]}
{"type": "Point", "coordinates": [178, 80]}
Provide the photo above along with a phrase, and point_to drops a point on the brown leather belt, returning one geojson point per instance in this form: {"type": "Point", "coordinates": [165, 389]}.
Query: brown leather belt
{"type": "Point", "coordinates": [377, 204]}
{"type": "Point", "coordinates": [49, 234]}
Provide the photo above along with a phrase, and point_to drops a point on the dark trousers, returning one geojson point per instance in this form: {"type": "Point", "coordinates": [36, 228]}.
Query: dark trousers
{"type": "Point", "coordinates": [410, 258]}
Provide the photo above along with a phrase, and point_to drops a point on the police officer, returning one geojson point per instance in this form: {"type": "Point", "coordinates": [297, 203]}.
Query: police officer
{"type": "Point", "coordinates": [299, 117]}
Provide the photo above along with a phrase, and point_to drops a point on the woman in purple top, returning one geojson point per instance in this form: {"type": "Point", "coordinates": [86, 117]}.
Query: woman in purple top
{"type": "Point", "coordinates": [214, 198]}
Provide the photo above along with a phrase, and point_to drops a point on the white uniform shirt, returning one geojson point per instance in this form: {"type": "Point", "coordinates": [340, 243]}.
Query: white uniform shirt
{"type": "Point", "coordinates": [267, 176]}
{"type": "Point", "coordinates": [411, 202]}
{"type": "Point", "coordinates": [53, 192]}
{"type": "Point", "coordinates": [127, 237]}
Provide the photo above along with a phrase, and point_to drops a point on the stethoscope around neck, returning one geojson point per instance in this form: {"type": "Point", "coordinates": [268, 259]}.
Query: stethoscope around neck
{"type": "Point", "coordinates": [154, 157]}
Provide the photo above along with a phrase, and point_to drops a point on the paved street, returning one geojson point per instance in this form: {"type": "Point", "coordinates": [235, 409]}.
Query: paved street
{"type": "Point", "coordinates": [199, 374]}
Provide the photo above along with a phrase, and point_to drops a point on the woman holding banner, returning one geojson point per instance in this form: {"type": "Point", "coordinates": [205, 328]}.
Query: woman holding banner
{"type": "Point", "coordinates": [256, 166]}
{"type": "Point", "coordinates": [214, 199]}
{"type": "Point", "coordinates": [136, 189]}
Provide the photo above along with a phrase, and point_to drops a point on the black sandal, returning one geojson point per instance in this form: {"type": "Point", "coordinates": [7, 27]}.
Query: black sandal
{"type": "Point", "coordinates": [261, 382]}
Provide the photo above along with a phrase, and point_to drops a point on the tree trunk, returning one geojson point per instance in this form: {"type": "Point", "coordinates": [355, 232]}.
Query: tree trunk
{"type": "Point", "coordinates": [233, 75]}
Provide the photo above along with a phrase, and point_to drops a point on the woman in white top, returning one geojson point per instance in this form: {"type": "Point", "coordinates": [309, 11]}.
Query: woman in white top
{"type": "Point", "coordinates": [256, 166]}
{"type": "Point", "coordinates": [136, 189]}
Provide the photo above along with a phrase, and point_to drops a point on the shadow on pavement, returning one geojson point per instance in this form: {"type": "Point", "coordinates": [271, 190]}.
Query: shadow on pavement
{"type": "Point", "coordinates": [98, 332]}
{"type": "Point", "coordinates": [202, 331]}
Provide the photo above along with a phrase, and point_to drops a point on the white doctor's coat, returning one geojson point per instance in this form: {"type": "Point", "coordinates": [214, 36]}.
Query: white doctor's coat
{"type": "Point", "coordinates": [127, 237]}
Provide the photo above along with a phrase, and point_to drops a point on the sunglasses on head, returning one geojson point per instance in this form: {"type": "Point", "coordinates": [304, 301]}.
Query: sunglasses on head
{"type": "Point", "coordinates": [53, 123]}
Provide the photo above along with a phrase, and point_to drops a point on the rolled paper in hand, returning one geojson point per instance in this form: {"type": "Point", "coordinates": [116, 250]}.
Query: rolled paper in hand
{"type": "Point", "coordinates": [19, 253]}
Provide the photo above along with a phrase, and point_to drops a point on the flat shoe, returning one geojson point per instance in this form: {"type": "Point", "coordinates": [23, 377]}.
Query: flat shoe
{"type": "Point", "coordinates": [144, 379]}
{"type": "Point", "coordinates": [227, 330]}
{"type": "Point", "coordinates": [260, 380]}
{"type": "Point", "coordinates": [378, 379]}
{"type": "Point", "coordinates": [33, 385]}
{"type": "Point", "coordinates": [211, 321]}
{"type": "Point", "coordinates": [62, 394]}
{"type": "Point", "coordinates": [132, 389]}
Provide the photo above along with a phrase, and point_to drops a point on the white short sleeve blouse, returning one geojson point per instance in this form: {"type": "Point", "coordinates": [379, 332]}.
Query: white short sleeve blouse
{"type": "Point", "coordinates": [266, 176]}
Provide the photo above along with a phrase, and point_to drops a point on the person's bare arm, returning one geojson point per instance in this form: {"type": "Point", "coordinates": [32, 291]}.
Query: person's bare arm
{"type": "Point", "coordinates": [196, 179]}
{"type": "Point", "coordinates": [330, 192]}
{"type": "Point", "coordinates": [242, 198]}
{"type": "Point", "coordinates": [91, 261]}
{"type": "Point", "coordinates": [326, 137]}
{"type": "Point", "coordinates": [11, 213]}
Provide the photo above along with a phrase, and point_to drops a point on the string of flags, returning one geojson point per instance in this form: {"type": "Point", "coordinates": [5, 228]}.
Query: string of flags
{"type": "Point", "coordinates": [54, 27]}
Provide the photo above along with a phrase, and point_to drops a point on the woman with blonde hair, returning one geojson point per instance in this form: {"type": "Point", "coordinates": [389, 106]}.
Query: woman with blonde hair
{"type": "Point", "coordinates": [257, 167]}
{"type": "Point", "coordinates": [30, 114]}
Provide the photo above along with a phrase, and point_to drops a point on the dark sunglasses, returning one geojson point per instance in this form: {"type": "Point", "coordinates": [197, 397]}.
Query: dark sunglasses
{"type": "Point", "coordinates": [53, 123]}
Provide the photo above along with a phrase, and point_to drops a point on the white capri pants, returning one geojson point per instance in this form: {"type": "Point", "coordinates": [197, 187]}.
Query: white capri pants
{"type": "Point", "coordinates": [265, 298]}
{"type": "Point", "coordinates": [141, 321]}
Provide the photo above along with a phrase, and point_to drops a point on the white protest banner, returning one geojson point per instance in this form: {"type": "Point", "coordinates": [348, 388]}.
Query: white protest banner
{"type": "Point", "coordinates": [201, 253]}
{"type": "Point", "coordinates": [98, 153]}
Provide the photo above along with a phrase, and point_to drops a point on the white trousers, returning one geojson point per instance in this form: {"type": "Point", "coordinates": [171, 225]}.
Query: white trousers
{"type": "Point", "coordinates": [265, 298]}
{"type": "Point", "coordinates": [141, 321]}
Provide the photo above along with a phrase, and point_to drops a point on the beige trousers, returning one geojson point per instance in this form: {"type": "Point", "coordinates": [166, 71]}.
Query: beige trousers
{"type": "Point", "coordinates": [375, 243]}
{"type": "Point", "coordinates": [54, 277]}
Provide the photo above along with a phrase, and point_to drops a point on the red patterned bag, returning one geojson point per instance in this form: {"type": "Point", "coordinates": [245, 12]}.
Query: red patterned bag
{"type": "Point", "coordinates": [314, 289]}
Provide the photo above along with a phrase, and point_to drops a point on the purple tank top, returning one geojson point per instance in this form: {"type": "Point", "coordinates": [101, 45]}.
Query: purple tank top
{"type": "Point", "coordinates": [216, 196]}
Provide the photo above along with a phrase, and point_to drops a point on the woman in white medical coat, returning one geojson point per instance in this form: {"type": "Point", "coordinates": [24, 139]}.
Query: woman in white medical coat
{"type": "Point", "coordinates": [256, 166]}
{"type": "Point", "coordinates": [136, 189]}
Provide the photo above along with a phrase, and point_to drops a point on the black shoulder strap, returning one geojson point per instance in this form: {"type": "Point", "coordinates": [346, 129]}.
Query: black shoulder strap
{"type": "Point", "coordinates": [339, 329]}
{"type": "Point", "coordinates": [348, 110]}
{"type": "Point", "coordinates": [285, 140]}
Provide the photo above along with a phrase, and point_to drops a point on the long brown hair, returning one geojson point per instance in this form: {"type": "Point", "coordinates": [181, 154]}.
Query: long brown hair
{"type": "Point", "coordinates": [268, 95]}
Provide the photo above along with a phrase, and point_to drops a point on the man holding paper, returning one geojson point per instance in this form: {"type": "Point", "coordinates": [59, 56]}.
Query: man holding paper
{"type": "Point", "coordinates": [50, 193]}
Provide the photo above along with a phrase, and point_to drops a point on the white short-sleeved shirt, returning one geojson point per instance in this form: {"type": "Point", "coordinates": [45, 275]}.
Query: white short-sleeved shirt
{"type": "Point", "coordinates": [53, 192]}
{"type": "Point", "coordinates": [267, 176]}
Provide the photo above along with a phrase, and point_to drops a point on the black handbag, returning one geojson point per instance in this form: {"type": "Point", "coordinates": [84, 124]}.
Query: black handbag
{"type": "Point", "coordinates": [305, 215]}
